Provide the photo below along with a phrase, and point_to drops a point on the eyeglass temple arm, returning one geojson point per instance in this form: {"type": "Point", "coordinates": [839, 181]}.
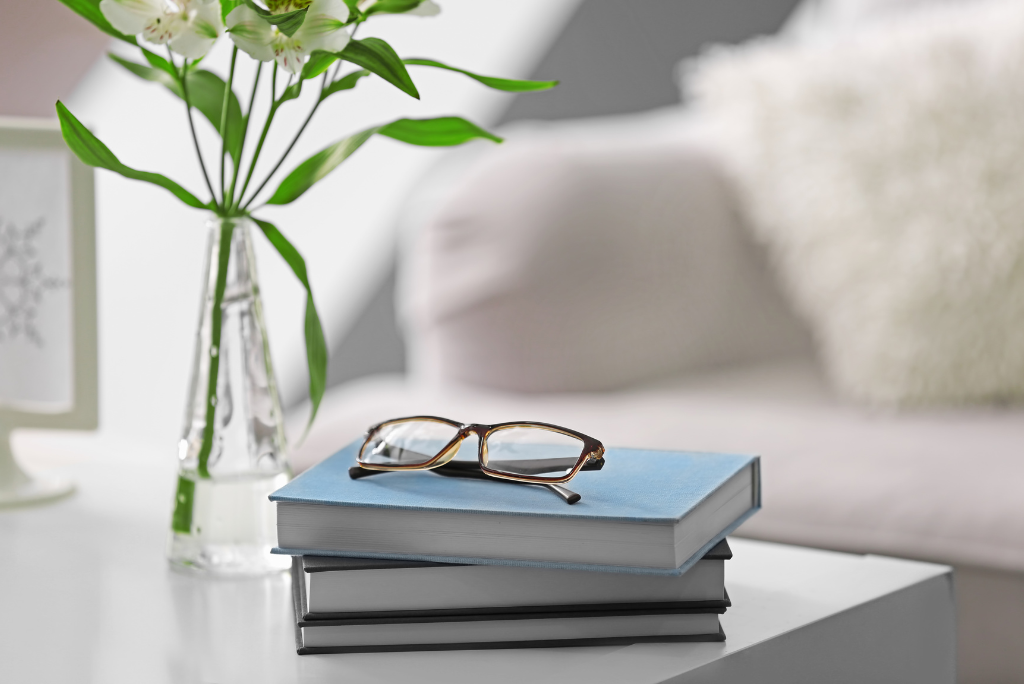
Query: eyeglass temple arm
{"type": "Point", "coordinates": [356, 473]}
{"type": "Point", "coordinates": [539, 466]}
{"type": "Point", "coordinates": [473, 472]}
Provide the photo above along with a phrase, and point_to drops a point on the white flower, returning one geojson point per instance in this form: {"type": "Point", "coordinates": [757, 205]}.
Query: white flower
{"type": "Point", "coordinates": [322, 29]}
{"type": "Point", "coordinates": [190, 27]}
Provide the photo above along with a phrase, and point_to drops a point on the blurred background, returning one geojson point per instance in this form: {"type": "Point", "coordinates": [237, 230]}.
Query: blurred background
{"type": "Point", "coordinates": [610, 61]}
{"type": "Point", "coordinates": [766, 226]}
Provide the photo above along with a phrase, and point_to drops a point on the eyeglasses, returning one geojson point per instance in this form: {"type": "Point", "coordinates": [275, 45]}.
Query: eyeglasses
{"type": "Point", "coordinates": [521, 453]}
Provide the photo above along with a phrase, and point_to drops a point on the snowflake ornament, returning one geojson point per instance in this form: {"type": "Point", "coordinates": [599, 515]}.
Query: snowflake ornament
{"type": "Point", "coordinates": [23, 283]}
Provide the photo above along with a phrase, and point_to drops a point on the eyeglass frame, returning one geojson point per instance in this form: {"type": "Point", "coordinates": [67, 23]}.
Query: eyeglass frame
{"type": "Point", "coordinates": [590, 458]}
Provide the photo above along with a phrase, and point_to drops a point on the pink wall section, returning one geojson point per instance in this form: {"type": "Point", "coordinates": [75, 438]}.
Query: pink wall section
{"type": "Point", "coordinates": [45, 49]}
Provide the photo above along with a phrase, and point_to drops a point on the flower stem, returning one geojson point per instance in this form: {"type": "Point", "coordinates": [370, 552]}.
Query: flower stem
{"type": "Point", "coordinates": [263, 135]}
{"type": "Point", "coordinates": [183, 77]}
{"type": "Point", "coordinates": [280, 161]}
{"type": "Point", "coordinates": [245, 131]}
{"type": "Point", "coordinates": [216, 316]}
{"type": "Point", "coordinates": [224, 127]}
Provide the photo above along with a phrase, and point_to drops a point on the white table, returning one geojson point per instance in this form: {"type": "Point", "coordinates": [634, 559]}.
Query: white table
{"type": "Point", "coordinates": [86, 596]}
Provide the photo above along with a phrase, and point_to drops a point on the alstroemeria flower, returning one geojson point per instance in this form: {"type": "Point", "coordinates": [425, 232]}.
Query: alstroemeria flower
{"type": "Point", "coordinates": [190, 27]}
{"type": "Point", "coordinates": [322, 29]}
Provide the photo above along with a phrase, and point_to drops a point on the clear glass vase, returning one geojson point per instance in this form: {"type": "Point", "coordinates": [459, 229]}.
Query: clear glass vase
{"type": "Point", "coordinates": [232, 451]}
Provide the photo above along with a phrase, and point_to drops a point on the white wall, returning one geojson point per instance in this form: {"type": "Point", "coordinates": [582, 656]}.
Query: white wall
{"type": "Point", "coordinates": [150, 246]}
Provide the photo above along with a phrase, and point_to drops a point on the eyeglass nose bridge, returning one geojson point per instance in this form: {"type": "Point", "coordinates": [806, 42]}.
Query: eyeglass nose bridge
{"type": "Point", "coordinates": [465, 431]}
{"type": "Point", "coordinates": [473, 429]}
{"type": "Point", "coordinates": [455, 445]}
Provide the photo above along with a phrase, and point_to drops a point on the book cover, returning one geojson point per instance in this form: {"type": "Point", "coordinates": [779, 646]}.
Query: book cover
{"type": "Point", "coordinates": [639, 492]}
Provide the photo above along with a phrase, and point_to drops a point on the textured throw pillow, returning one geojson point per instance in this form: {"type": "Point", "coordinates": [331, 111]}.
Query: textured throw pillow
{"type": "Point", "coordinates": [885, 171]}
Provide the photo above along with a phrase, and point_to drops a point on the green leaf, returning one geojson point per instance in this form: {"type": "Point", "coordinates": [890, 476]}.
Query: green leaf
{"type": "Point", "coordinates": [286, 22]}
{"type": "Point", "coordinates": [92, 152]}
{"type": "Point", "coordinates": [226, 6]}
{"type": "Point", "coordinates": [316, 345]}
{"type": "Point", "coordinates": [393, 6]}
{"type": "Point", "coordinates": [290, 93]}
{"type": "Point", "coordinates": [149, 73]}
{"type": "Point", "coordinates": [158, 62]}
{"type": "Point", "coordinates": [317, 64]}
{"type": "Point", "coordinates": [90, 10]}
{"type": "Point", "coordinates": [506, 84]}
{"type": "Point", "coordinates": [311, 171]}
{"type": "Point", "coordinates": [344, 83]}
{"type": "Point", "coordinates": [205, 92]}
{"type": "Point", "coordinates": [444, 131]}
{"type": "Point", "coordinates": [355, 15]}
{"type": "Point", "coordinates": [440, 132]}
{"type": "Point", "coordinates": [377, 56]}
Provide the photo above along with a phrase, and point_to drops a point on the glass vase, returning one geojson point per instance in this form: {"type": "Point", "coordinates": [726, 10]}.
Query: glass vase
{"type": "Point", "coordinates": [231, 455]}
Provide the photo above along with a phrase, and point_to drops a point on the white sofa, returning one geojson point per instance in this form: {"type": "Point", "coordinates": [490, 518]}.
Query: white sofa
{"type": "Point", "coordinates": [598, 275]}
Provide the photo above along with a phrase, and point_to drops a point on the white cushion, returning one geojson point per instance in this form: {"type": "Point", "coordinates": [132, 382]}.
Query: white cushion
{"type": "Point", "coordinates": [884, 171]}
{"type": "Point", "coordinates": [816, 20]}
{"type": "Point", "coordinates": [942, 485]}
{"type": "Point", "coordinates": [588, 256]}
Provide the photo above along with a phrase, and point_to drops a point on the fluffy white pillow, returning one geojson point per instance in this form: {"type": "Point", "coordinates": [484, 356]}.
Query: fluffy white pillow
{"type": "Point", "coordinates": [885, 170]}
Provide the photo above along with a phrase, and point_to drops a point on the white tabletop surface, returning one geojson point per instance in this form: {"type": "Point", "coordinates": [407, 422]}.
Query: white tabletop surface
{"type": "Point", "coordinates": [86, 596]}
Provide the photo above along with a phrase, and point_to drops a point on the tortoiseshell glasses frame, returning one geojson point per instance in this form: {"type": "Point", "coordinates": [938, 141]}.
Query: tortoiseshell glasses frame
{"type": "Point", "coordinates": [376, 454]}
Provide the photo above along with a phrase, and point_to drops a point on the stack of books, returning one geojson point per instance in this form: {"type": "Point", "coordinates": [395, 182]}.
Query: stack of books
{"type": "Point", "coordinates": [413, 561]}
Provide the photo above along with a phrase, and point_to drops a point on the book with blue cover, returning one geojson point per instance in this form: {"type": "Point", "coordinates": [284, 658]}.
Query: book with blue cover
{"type": "Point", "coordinates": [646, 512]}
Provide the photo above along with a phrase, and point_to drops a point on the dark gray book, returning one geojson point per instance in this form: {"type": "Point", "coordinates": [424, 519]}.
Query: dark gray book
{"type": "Point", "coordinates": [337, 587]}
{"type": "Point", "coordinates": [561, 626]}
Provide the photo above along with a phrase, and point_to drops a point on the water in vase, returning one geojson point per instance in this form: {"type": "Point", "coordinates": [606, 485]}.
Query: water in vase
{"type": "Point", "coordinates": [232, 528]}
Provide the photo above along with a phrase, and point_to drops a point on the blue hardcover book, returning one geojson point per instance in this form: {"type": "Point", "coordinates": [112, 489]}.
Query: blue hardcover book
{"type": "Point", "coordinates": [646, 512]}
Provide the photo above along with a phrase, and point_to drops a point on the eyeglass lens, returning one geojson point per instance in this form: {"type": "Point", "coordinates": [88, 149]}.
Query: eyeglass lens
{"type": "Point", "coordinates": [533, 451]}
{"type": "Point", "coordinates": [407, 443]}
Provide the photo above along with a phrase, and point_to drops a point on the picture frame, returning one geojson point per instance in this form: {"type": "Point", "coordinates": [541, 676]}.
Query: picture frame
{"type": "Point", "coordinates": [48, 325]}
